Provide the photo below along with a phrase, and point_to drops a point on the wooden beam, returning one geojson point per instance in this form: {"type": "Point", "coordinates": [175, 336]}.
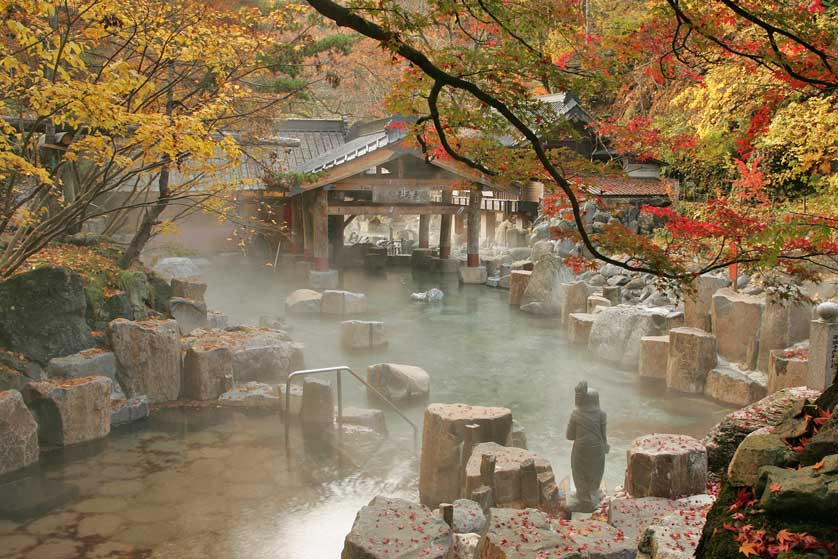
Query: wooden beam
{"type": "Point", "coordinates": [353, 167]}
{"type": "Point", "coordinates": [363, 208]}
{"type": "Point", "coordinates": [367, 182]}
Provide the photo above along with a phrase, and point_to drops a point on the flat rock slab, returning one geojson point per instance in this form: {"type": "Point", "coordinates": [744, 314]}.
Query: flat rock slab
{"type": "Point", "coordinates": [734, 386]}
{"type": "Point", "coordinates": [251, 395]}
{"type": "Point", "coordinates": [71, 411]}
{"type": "Point", "coordinates": [94, 362]}
{"type": "Point", "coordinates": [521, 534]}
{"type": "Point", "coordinates": [366, 417]}
{"type": "Point", "coordinates": [654, 353]}
{"type": "Point", "coordinates": [18, 433]}
{"type": "Point", "coordinates": [633, 516]}
{"type": "Point", "coordinates": [389, 528]}
{"type": "Point", "coordinates": [257, 353]}
{"type": "Point", "coordinates": [662, 465]}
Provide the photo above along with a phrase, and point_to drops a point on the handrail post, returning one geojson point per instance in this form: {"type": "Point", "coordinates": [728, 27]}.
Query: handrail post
{"type": "Point", "coordinates": [338, 370]}
{"type": "Point", "coordinates": [340, 399]}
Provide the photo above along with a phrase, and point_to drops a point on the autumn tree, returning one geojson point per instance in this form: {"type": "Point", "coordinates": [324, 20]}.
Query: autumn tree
{"type": "Point", "coordinates": [112, 106]}
{"type": "Point", "coordinates": [643, 67]}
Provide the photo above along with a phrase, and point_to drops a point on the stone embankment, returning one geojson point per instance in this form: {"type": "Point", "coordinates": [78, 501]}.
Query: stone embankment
{"type": "Point", "coordinates": [734, 344]}
{"type": "Point", "coordinates": [62, 383]}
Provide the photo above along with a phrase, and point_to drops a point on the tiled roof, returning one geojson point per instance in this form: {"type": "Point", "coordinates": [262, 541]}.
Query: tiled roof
{"type": "Point", "coordinates": [621, 185]}
{"type": "Point", "coordinates": [566, 104]}
{"type": "Point", "coordinates": [316, 138]}
{"type": "Point", "coordinates": [351, 150]}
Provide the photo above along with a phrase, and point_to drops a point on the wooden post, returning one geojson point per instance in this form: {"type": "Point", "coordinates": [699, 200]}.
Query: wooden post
{"type": "Point", "coordinates": [306, 208]}
{"type": "Point", "coordinates": [445, 227]}
{"type": "Point", "coordinates": [424, 231]}
{"type": "Point", "coordinates": [473, 248]}
{"type": "Point", "coordinates": [491, 221]}
{"type": "Point", "coordinates": [320, 230]}
{"type": "Point", "coordinates": [336, 226]}
{"type": "Point", "coordinates": [447, 510]}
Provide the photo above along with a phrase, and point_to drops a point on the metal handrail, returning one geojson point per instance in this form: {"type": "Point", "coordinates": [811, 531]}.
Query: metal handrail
{"type": "Point", "coordinates": [338, 370]}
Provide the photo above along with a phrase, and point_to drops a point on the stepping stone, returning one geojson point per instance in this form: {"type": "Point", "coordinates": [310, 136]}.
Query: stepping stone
{"type": "Point", "coordinates": [662, 465]}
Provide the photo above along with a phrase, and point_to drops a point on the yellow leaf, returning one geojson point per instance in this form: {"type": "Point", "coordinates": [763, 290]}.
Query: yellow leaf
{"type": "Point", "coordinates": [748, 548]}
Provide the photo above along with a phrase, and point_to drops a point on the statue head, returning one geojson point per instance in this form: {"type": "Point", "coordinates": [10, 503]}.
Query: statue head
{"type": "Point", "coordinates": [592, 400]}
{"type": "Point", "coordinates": [581, 393]}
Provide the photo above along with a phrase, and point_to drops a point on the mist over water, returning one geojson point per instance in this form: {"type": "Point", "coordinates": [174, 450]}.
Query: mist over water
{"type": "Point", "coordinates": [218, 484]}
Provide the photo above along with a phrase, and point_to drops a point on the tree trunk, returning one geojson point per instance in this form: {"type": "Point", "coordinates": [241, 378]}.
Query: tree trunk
{"type": "Point", "coordinates": [150, 219]}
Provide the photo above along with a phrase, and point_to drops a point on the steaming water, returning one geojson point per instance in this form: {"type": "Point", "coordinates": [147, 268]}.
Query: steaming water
{"type": "Point", "coordinates": [218, 484]}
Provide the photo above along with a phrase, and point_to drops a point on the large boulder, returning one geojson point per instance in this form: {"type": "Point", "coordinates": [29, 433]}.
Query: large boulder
{"type": "Point", "coordinates": [177, 267]}
{"type": "Point", "coordinates": [616, 332]}
{"type": "Point", "coordinates": [303, 301]}
{"type": "Point", "coordinates": [443, 436]}
{"type": "Point", "coordinates": [662, 465]}
{"type": "Point", "coordinates": [343, 302]}
{"type": "Point", "coordinates": [398, 382]}
{"type": "Point", "coordinates": [18, 433]}
{"type": "Point", "coordinates": [545, 280]}
{"type": "Point", "coordinates": [190, 315]}
{"type": "Point", "coordinates": [516, 480]}
{"type": "Point", "coordinates": [737, 319]}
{"type": "Point", "coordinates": [810, 492]}
{"type": "Point", "coordinates": [757, 450]}
{"type": "Point", "coordinates": [42, 314]}
{"type": "Point", "coordinates": [94, 362]}
{"type": "Point", "coordinates": [724, 438]}
{"type": "Point", "coordinates": [389, 528]}
{"type": "Point", "coordinates": [207, 369]}
{"type": "Point", "coordinates": [692, 355]}
{"type": "Point", "coordinates": [363, 334]}
{"type": "Point", "coordinates": [257, 353]}
{"type": "Point", "coordinates": [71, 411]}
{"type": "Point", "coordinates": [148, 358]}
{"type": "Point", "coordinates": [699, 300]}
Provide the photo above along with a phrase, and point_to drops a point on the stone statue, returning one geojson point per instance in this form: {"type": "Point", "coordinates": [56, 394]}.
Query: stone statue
{"type": "Point", "coordinates": [586, 429]}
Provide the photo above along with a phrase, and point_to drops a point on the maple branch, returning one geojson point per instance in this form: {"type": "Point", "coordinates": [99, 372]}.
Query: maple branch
{"type": "Point", "coordinates": [344, 17]}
